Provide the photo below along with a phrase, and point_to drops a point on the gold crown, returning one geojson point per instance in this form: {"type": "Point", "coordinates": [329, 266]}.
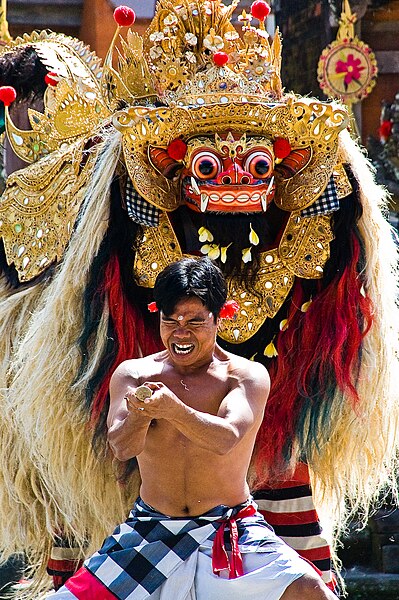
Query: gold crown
{"type": "Point", "coordinates": [176, 59]}
{"type": "Point", "coordinates": [185, 40]}
{"type": "Point", "coordinates": [208, 78]}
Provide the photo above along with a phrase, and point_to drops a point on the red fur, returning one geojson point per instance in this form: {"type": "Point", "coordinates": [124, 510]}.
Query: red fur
{"type": "Point", "coordinates": [317, 353]}
{"type": "Point", "coordinates": [131, 337]}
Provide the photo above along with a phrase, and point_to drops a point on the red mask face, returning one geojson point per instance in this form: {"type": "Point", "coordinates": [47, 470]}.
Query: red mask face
{"type": "Point", "coordinates": [228, 174]}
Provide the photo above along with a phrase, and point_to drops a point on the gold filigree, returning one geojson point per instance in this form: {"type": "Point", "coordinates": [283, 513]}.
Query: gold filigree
{"type": "Point", "coordinates": [304, 123]}
{"type": "Point", "coordinates": [143, 128]}
{"type": "Point", "coordinates": [342, 184]}
{"type": "Point", "coordinates": [131, 82]}
{"type": "Point", "coordinates": [316, 126]}
{"type": "Point", "coordinates": [38, 210]}
{"type": "Point", "coordinates": [302, 252]}
{"type": "Point", "coordinates": [4, 33]}
{"type": "Point", "coordinates": [184, 37]}
{"type": "Point", "coordinates": [304, 246]}
{"type": "Point", "coordinates": [72, 110]}
{"type": "Point", "coordinates": [68, 56]}
{"type": "Point", "coordinates": [157, 248]}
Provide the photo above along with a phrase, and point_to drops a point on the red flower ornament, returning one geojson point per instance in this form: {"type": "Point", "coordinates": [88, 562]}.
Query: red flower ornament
{"type": "Point", "coordinates": [352, 69]}
{"type": "Point", "coordinates": [281, 147]}
{"type": "Point", "coordinates": [220, 58]}
{"type": "Point", "coordinates": [7, 94]}
{"type": "Point", "coordinates": [260, 10]}
{"type": "Point", "coordinates": [124, 16]}
{"type": "Point", "coordinates": [384, 130]}
{"type": "Point", "coordinates": [177, 149]}
{"type": "Point", "coordinates": [152, 307]}
{"type": "Point", "coordinates": [229, 309]}
{"type": "Point", "coordinates": [51, 78]}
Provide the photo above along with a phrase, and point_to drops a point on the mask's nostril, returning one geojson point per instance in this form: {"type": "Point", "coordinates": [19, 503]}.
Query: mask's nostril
{"type": "Point", "coordinates": [226, 180]}
{"type": "Point", "coordinates": [245, 179]}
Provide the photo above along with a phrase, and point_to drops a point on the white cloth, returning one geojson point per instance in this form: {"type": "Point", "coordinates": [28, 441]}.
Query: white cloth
{"type": "Point", "coordinates": [267, 576]}
{"type": "Point", "coordinates": [269, 565]}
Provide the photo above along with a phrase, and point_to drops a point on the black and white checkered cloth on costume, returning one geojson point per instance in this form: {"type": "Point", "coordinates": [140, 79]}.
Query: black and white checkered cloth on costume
{"type": "Point", "coordinates": [144, 213]}
{"type": "Point", "coordinates": [138, 209]}
{"type": "Point", "coordinates": [327, 203]}
{"type": "Point", "coordinates": [149, 546]}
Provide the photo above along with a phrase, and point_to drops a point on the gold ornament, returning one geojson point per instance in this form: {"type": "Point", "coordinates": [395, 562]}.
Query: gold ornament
{"type": "Point", "coordinates": [347, 68]}
{"type": "Point", "coordinates": [38, 210]}
{"type": "Point", "coordinates": [302, 252]}
{"type": "Point", "coordinates": [235, 105]}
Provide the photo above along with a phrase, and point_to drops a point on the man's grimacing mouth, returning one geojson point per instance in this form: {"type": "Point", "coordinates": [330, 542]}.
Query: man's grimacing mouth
{"type": "Point", "coordinates": [182, 349]}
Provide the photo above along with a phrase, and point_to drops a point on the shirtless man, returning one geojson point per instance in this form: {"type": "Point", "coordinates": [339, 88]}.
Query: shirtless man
{"type": "Point", "coordinates": [193, 437]}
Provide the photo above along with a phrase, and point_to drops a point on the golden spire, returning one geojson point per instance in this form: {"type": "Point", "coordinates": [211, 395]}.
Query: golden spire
{"type": "Point", "coordinates": [4, 33]}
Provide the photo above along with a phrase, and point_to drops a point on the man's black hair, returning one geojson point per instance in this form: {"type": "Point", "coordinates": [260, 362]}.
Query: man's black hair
{"type": "Point", "coordinates": [190, 277]}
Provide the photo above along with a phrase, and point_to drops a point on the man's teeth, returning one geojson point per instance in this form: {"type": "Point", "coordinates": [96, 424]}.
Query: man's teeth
{"type": "Point", "coordinates": [183, 348]}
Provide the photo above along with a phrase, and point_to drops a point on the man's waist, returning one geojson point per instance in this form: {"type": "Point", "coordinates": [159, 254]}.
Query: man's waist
{"type": "Point", "coordinates": [143, 510]}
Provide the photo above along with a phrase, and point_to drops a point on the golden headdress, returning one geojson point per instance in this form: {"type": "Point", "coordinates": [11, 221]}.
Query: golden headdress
{"type": "Point", "coordinates": [192, 73]}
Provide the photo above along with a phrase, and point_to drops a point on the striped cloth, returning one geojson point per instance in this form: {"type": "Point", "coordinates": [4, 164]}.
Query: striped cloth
{"type": "Point", "coordinates": [290, 510]}
{"type": "Point", "coordinates": [64, 561]}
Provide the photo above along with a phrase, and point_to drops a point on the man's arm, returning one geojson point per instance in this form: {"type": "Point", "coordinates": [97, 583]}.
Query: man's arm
{"type": "Point", "coordinates": [241, 410]}
{"type": "Point", "coordinates": [127, 426]}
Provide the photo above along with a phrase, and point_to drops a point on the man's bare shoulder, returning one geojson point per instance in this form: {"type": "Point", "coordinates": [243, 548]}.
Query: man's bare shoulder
{"type": "Point", "coordinates": [246, 370]}
{"type": "Point", "coordinates": [137, 368]}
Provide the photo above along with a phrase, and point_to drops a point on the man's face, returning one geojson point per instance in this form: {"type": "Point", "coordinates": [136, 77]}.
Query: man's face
{"type": "Point", "coordinates": [189, 334]}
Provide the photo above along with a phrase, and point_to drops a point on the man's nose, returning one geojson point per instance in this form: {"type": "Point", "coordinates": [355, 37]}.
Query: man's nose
{"type": "Point", "coordinates": [181, 332]}
{"type": "Point", "coordinates": [234, 175]}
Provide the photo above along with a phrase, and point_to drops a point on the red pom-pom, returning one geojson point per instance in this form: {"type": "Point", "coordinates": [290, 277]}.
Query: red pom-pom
{"type": "Point", "coordinates": [220, 58]}
{"type": "Point", "coordinates": [177, 149]}
{"type": "Point", "coordinates": [281, 147]}
{"type": "Point", "coordinates": [384, 131]}
{"type": "Point", "coordinates": [152, 307]}
{"type": "Point", "coordinates": [124, 16]}
{"type": "Point", "coordinates": [260, 10]}
{"type": "Point", "coordinates": [51, 78]}
{"type": "Point", "coordinates": [229, 309]}
{"type": "Point", "coordinates": [7, 95]}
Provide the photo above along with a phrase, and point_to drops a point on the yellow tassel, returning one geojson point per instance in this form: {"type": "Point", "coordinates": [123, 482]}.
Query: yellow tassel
{"type": "Point", "coordinates": [270, 350]}
{"type": "Point", "coordinates": [305, 306]}
{"type": "Point", "coordinates": [223, 253]}
{"type": "Point", "coordinates": [205, 235]}
{"type": "Point", "coordinates": [246, 255]}
{"type": "Point", "coordinates": [253, 236]}
{"type": "Point", "coordinates": [283, 324]}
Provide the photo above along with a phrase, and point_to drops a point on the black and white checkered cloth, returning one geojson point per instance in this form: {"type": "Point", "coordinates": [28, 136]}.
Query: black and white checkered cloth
{"type": "Point", "coordinates": [326, 203]}
{"type": "Point", "coordinates": [149, 546]}
{"type": "Point", "coordinates": [138, 209]}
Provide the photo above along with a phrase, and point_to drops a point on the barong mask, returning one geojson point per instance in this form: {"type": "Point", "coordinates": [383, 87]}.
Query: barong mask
{"type": "Point", "coordinates": [206, 125]}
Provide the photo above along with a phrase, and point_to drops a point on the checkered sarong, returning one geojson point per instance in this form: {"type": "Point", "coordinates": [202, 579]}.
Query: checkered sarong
{"type": "Point", "coordinates": [148, 547]}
